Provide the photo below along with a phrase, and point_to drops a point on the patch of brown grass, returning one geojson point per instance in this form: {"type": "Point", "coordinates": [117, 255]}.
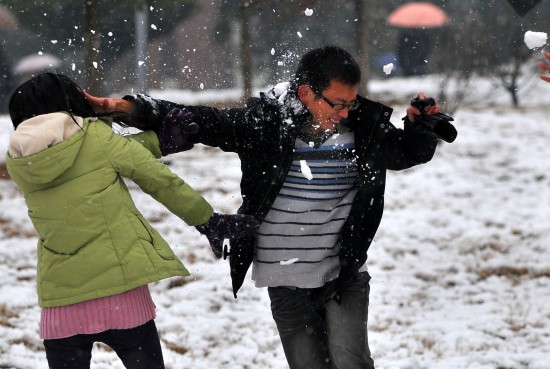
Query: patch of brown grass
{"type": "Point", "coordinates": [182, 350]}
{"type": "Point", "coordinates": [5, 316]}
{"type": "Point", "coordinates": [513, 273]}
{"type": "Point", "coordinates": [10, 230]}
{"type": "Point", "coordinates": [32, 345]}
{"type": "Point", "coordinates": [180, 282]}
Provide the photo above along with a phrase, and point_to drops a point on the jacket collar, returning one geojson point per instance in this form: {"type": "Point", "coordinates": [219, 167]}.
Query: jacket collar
{"type": "Point", "coordinates": [285, 96]}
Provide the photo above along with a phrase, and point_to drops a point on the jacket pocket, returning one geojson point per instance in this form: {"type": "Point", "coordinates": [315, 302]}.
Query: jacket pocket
{"type": "Point", "coordinates": [151, 239]}
{"type": "Point", "coordinates": [63, 250]}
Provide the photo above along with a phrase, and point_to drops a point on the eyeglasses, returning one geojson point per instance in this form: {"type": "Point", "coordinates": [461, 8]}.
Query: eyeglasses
{"type": "Point", "coordinates": [351, 106]}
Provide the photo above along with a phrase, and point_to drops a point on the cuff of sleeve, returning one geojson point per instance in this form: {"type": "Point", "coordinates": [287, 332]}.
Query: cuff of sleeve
{"type": "Point", "coordinates": [142, 115]}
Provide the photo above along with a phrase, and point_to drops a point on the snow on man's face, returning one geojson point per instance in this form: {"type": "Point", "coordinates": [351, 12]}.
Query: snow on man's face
{"type": "Point", "coordinates": [324, 115]}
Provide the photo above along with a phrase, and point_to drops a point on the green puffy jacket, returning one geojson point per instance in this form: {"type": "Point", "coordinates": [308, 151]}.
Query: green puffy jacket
{"type": "Point", "coordinates": [93, 242]}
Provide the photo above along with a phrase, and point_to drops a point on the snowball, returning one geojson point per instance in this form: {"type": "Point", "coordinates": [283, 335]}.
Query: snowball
{"type": "Point", "coordinates": [388, 68]}
{"type": "Point", "coordinates": [308, 12]}
{"type": "Point", "coordinates": [305, 169]}
{"type": "Point", "coordinates": [153, 27]}
{"type": "Point", "coordinates": [299, 34]}
{"type": "Point", "coordinates": [287, 262]}
{"type": "Point", "coordinates": [535, 39]}
{"type": "Point", "coordinates": [201, 86]}
{"type": "Point", "coordinates": [272, 51]}
{"type": "Point", "coordinates": [281, 88]}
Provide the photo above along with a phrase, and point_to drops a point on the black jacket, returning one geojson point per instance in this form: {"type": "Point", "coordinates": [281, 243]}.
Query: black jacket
{"type": "Point", "coordinates": [263, 134]}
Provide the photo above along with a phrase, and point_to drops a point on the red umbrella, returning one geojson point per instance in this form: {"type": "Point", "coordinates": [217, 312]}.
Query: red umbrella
{"type": "Point", "coordinates": [36, 62]}
{"type": "Point", "coordinates": [418, 15]}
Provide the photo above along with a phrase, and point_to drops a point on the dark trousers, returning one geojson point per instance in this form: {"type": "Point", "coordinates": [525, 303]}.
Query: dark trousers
{"type": "Point", "coordinates": [138, 348]}
{"type": "Point", "coordinates": [317, 332]}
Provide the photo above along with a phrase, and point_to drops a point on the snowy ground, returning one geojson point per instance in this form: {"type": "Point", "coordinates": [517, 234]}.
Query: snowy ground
{"type": "Point", "coordinates": [460, 264]}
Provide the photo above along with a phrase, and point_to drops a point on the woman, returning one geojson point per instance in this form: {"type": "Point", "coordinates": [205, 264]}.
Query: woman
{"type": "Point", "coordinates": [96, 252]}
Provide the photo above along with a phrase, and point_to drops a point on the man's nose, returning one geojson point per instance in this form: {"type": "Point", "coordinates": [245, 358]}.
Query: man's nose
{"type": "Point", "coordinates": [343, 113]}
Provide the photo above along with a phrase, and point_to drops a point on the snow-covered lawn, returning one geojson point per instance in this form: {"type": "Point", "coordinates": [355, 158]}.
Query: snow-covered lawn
{"type": "Point", "coordinates": [460, 265]}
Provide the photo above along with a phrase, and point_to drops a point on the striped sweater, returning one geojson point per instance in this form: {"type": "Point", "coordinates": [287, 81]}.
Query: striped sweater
{"type": "Point", "coordinates": [299, 240]}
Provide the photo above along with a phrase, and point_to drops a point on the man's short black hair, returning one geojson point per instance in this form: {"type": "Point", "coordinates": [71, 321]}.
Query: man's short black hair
{"type": "Point", "coordinates": [320, 66]}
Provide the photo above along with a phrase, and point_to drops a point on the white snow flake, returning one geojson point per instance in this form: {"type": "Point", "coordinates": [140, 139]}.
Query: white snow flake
{"type": "Point", "coordinates": [288, 262]}
{"type": "Point", "coordinates": [306, 171]}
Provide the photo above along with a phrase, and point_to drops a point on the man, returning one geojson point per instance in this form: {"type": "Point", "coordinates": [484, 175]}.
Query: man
{"type": "Point", "coordinates": [314, 157]}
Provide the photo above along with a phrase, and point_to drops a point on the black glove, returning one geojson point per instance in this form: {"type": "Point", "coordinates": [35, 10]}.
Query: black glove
{"type": "Point", "coordinates": [436, 125]}
{"type": "Point", "coordinates": [175, 130]}
{"type": "Point", "coordinates": [221, 226]}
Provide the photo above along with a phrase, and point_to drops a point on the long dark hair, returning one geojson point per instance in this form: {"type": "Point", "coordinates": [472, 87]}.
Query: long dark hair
{"type": "Point", "coordinates": [48, 93]}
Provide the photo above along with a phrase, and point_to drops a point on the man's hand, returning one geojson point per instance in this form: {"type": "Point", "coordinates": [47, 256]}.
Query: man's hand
{"type": "Point", "coordinates": [109, 104]}
{"type": "Point", "coordinates": [429, 109]}
{"type": "Point", "coordinates": [426, 115]}
{"type": "Point", "coordinates": [545, 67]}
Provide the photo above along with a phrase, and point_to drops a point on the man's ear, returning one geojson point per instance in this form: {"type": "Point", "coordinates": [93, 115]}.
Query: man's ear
{"type": "Point", "coordinates": [305, 94]}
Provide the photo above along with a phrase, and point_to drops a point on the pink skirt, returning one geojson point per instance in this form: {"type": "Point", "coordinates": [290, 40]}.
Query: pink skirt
{"type": "Point", "coordinates": [123, 311]}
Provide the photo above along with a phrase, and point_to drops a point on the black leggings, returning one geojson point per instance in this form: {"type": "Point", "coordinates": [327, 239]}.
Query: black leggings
{"type": "Point", "coordinates": [138, 348]}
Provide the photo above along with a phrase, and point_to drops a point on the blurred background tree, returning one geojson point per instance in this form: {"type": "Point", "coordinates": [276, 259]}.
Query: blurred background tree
{"type": "Point", "coordinates": [76, 30]}
{"type": "Point", "coordinates": [198, 44]}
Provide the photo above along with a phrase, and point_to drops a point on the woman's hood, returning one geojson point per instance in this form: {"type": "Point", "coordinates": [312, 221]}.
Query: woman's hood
{"type": "Point", "coordinates": [45, 146]}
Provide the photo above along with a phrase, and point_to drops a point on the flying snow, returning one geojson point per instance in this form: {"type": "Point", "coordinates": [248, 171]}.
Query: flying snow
{"type": "Point", "coordinates": [388, 68]}
{"type": "Point", "coordinates": [288, 262]}
{"type": "Point", "coordinates": [306, 171]}
{"type": "Point", "coordinates": [535, 39]}
{"type": "Point", "coordinates": [308, 12]}
{"type": "Point", "coordinates": [280, 88]}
